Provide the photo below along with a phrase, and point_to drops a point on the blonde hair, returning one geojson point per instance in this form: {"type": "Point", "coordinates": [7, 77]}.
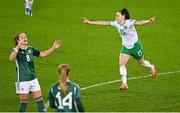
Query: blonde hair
{"type": "Point", "coordinates": [63, 77]}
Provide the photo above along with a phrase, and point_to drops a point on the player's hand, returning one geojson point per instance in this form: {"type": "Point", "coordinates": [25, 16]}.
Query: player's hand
{"type": "Point", "coordinates": [57, 44]}
{"type": "Point", "coordinates": [152, 19]}
{"type": "Point", "coordinates": [18, 46]}
{"type": "Point", "coordinates": [86, 21]}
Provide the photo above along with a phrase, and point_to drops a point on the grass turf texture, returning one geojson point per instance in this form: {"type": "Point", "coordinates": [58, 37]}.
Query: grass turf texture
{"type": "Point", "coordinates": [92, 52]}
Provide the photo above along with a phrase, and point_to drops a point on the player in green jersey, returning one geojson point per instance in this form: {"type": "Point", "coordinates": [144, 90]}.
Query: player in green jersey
{"type": "Point", "coordinates": [64, 95]}
{"type": "Point", "coordinates": [26, 81]}
{"type": "Point", "coordinates": [131, 47]}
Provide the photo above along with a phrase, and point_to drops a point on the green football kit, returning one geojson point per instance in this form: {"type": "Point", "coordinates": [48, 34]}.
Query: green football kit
{"type": "Point", "coordinates": [26, 80]}
{"type": "Point", "coordinates": [69, 102]}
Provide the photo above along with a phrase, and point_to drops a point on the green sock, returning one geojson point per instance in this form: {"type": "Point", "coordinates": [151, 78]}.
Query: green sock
{"type": "Point", "coordinates": [23, 105]}
{"type": "Point", "coordinates": [40, 104]}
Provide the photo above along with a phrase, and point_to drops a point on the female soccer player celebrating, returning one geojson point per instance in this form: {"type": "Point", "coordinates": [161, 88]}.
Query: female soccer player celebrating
{"type": "Point", "coordinates": [26, 81]}
{"type": "Point", "coordinates": [64, 96]}
{"type": "Point", "coordinates": [130, 43]}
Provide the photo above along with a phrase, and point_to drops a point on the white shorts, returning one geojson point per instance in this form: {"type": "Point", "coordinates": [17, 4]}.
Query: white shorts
{"type": "Point", "coordinates": [27, 86]}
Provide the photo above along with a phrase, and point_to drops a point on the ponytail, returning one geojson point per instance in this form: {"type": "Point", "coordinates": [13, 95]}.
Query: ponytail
{"type": "Point", "coordinates": [63, 77]}
{"type": "Point", "coordinates": [63, 83]}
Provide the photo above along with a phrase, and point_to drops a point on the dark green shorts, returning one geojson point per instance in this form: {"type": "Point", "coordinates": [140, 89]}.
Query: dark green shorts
{"type": "Point", "coordinates": [136, 52]}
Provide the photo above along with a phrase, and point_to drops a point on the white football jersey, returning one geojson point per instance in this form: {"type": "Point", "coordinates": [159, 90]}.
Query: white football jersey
{"type": "Point", "coordinates": [127, 32]}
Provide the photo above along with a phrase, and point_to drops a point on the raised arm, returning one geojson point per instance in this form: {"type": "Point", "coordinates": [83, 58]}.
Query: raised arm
{"type": "Point", "coordinates": [13, 54]}
{"type": "Point", "coordinates": [100, 23]}
{"type": "Point", "coordinates": [143, 22]}
{"type": "Point", "coordinates": [56, 45]}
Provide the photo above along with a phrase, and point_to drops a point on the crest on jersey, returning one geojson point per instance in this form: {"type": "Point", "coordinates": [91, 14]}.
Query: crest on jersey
{"type": "Point", "coordinates": [29, 51]}
{"type": "Point", "coordinates": [125, 27]}
{"type": "Point", "coordinates": [22, 52]}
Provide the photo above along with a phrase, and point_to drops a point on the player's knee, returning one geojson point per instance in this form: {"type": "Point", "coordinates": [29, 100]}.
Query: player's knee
{"type": "Point", "coordinates": [37, 94]}
{"type": "Point", "coordinates": [121, 63]}
{"type": "Point", "coordinates": [23, 97]}
{"type": "Point", "coordinates": [141, 62]}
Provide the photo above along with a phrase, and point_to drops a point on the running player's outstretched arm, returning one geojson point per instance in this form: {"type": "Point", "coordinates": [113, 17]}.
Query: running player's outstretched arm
{"type": "Point", "coordinates": [56, 45]}
{"type": "Point", "coordinates": [100, 23]}
{"type": "Point", "coordinates": [143, 22]}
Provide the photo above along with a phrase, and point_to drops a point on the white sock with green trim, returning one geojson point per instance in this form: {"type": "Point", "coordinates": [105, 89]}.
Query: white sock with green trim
{"type": "Point", "coordinates": [147, 64]}
{"type": "Point", "coordinates": [123, 73]}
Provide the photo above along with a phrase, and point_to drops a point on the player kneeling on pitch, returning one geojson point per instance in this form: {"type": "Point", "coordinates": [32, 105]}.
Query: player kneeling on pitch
{"type": "Point", "coordinates": [65, 96]}
{"type": "Point", "coordinates": [26, 81]}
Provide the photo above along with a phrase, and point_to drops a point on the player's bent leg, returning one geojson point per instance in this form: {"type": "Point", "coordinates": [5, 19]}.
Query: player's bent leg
{"type": "Point", "coordinates": [123, 59]}
{"type": "Point", "coordinates": [147, 64]}
{"type": "Point", "coordinates": [37, 95]}
{"type": "Point", "coordinates": [23, 102]}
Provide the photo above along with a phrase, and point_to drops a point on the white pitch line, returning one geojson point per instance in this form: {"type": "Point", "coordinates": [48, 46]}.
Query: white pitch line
{"type": "Point", "coordinates": [131, 78]}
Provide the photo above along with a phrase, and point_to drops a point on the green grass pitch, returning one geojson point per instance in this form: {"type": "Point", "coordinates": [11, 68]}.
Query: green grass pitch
{"type": "Point", "coordinates": [92, 52]}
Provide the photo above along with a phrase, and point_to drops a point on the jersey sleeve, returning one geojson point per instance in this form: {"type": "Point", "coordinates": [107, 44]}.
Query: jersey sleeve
{"type": "Point", "coordinates": [51, 99]}
{"type": "Point", "coordinates": [79, 105]}
{"type": "Point", "coordinates": [132, 22]}
{"type": "Point", "coordinates": [77, 93]}
{"type": "Point", "coordinates": [113, 23]}
{"type": "Point", "coordinates": [78, 99]}
{"type": "Point", "coordinates": [36, 52]}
